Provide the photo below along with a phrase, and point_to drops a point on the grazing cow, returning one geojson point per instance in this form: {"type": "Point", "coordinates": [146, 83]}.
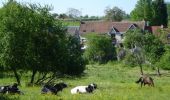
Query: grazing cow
{"type": "Point", "coordinates": [53, 89]}
{"type": "Point", "coordinates": [10, 89]}
{"type": "Point", "coordinates": [145, 80]}
{"type": "Point", "coordinates": [84, 89]}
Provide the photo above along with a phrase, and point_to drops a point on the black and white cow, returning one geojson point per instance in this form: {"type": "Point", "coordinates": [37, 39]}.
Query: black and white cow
{"type": "Point", "coordinates": [53, 89]}
{"type": "Point", "coordinates": [12, 89]}
{"type": "Point", "coordinates": [84, 89]}
{"type": "Point", "coordinates": [4, 89]}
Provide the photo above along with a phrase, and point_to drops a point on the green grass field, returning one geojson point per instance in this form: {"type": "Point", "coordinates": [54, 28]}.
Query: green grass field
{"type": "Point", "coordinates": [114, 83]}
{"type": "Point", "coordinates": [71, 23]}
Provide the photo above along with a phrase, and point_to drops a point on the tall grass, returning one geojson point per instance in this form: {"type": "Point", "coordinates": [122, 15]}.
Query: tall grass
{"type": "Point", "coordinates": [114, 83]}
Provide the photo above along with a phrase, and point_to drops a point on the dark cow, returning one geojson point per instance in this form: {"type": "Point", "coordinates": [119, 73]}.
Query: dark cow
{"type": "Point", "coordinates": [12, 89]}
{"type": "Point", "coordinates": [4, 89]}
{"type": "Point", "coordinates": [145, 80]}
{"type": "Point", "coordinates": [53, 89]}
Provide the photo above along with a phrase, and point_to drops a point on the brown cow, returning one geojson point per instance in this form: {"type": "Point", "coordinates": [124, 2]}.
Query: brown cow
{"type": "Point", "coordinates": [145, 80]}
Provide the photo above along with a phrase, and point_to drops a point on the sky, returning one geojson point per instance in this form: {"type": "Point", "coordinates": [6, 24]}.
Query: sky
{"type": "Point", "coordinates": [87, 7]}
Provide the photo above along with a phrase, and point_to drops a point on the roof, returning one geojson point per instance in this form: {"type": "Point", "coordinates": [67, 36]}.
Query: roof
{"type": "Point", "coordinates": [106, 26]}
{"type": "Point", "coordinates": [124, 26]}
{"type": "Point", "coordinates": [95, 26]}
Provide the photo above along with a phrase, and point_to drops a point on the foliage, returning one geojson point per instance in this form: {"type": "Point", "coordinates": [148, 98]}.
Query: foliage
{"type": "Point", "coordinates": [142, 10]}
{"type": "Point", "coordinates": [13, 39]}
{"type": "Point", "coordinates": [168, 10]}
{"type": "Point", "coordinates": [160, 16]}
{"type": "Point", "coordinates": [74, 63]}
{"type": "Point", "coordinates": [164, 61]}
{"type": "Point", "coordinates": [153, 47]}
{"type": "Point", "coordinates": [114, 14]}
{"type": "Point", "coordinates": [100, 49]}
{"type": "Point", "coordinates": [153, 11]}
{"type": "Point", "coordinates": [143, 47]}
{"type": "Point", "coordinates": [31, 39]}
{"type": "Point", "coordinates": [73, 13]}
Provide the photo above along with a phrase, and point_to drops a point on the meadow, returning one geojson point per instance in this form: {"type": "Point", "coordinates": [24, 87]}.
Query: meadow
{"type": "Point", "coordinates": [115, 82]}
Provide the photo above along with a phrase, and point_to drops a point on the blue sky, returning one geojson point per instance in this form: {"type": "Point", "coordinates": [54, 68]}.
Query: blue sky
{"type": "Point", "coordinates": [90, 7]}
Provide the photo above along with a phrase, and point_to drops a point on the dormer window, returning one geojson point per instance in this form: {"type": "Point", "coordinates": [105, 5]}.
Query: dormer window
{"type": "Point", "coordinates": [132, 27]}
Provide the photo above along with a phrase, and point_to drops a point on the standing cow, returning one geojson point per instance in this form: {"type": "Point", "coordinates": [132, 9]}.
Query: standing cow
{"type": "Point", "coordinates": [145, 80]}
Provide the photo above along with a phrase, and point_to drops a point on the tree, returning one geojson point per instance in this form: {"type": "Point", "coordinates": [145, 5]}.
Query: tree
{"type": "Point", "coordinates": [42, 47]}
{"type": "Point", "coordinates": [133, 41]}
{"type": "Point", "coordinates": [114, 14]}
{"type": "Point", "coordinates": [144, 47]}
{"type": "Point", "coordinates": [62, 16]}
{"type": "Point", "coordinates": [13, 39]}
{"type": "Point", "coordinates": [164, 61]}
{"type": "Point", "coordinates": [160, 16]}
{"type": "Point", "coordinates": [154, 49]}
{"type": "Point", "coordinates": [153, 11]}
{"type": "Point", "coordinates": [100, 49]}
{"type": "Point", "coordinates": [168, 10]}
{"type": "Point", "coordinates": [73, 13]}
{"type": "Point", "coordinates": [142, 11]}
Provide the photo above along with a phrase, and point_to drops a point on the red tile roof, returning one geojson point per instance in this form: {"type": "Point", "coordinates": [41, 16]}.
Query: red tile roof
{"type": "Point", "coordinates": [106, 26]}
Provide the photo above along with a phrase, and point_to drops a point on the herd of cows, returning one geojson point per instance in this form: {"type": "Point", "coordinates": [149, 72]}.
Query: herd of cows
{"type": "Point", "coordinates": [54, 89]}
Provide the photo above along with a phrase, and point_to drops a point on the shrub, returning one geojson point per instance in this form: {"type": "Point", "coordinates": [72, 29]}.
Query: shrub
{"type": "Point", "coordinates": [100, 49]}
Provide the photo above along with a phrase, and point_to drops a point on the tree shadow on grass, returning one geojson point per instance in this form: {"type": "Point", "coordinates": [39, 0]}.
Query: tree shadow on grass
{"type": "Point", "coordinates": [6, 97]}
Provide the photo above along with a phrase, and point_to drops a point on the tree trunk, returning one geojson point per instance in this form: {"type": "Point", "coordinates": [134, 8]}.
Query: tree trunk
{"type": "Point", "coordinates": [141, 69]}
{"type": "Point", "coordinates": [158, 71]}
{"type": "Point", "coordinates": [33, 76]}
{"type": "Point", "coordinates": [16, 75]}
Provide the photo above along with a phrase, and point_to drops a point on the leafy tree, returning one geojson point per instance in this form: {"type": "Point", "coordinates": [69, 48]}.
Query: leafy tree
{"type": "Point", "coordinates": [62, 16]}
{"type": "Point", "coordinates": [154, 49]}
{"type": "Point", "coordinates": [153, 11]}
{"type": "Point", "coordinates": [100, 49]}
{"type": "Point", "coordinates": [73, 13]}
{"type": "Point", "coordinates": [13, 39]}
{"type": "Point", "coordinates": [38, 47]}
{"type": "Point", "coordinates": [142, 10]}
{"type": "Point", "coordinates": [160, 16]}
{"type": "Point", "coordinates": [133, 41]}
{"type": "Point", "coordinates": [114, 14]}
{"type": "Point", "coordinates": [144, 47]}
{"type": "Point", "coordinates": [164, 61]}
{"type": "Point", "coordinates": [168, 10]}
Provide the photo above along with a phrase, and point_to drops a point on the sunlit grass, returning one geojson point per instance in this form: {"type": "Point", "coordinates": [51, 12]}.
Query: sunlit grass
{"type": "Point", "coordinates": [114, 83]}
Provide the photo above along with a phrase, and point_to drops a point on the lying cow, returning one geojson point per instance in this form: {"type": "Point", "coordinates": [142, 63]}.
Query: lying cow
{"type": "Point", "coordinates": [53, 89]}
{"type": "Point", "coordinates": [10, 89]}
{"type": "Point", "coordinates": [84, 89]}
{"type": "Point", "coordinates": [145, 80]}
{"type": "Point", "coordinates": [4, 89]}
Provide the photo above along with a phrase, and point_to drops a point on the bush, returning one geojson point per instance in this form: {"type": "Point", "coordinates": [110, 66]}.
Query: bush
{"type": "Point", "coordinates": [100, 49]}
{"type": "Point", "coordinates": [164, 61]}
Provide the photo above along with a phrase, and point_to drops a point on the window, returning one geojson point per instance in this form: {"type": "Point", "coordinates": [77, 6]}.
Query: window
{"type": "Point", "coordinates": [84, 30]}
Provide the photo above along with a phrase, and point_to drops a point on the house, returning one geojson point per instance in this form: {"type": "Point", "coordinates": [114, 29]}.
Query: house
{"type": "Point", "coordinates": [159, 30]}
{"type": "Point", "coordinates": [115, 29]}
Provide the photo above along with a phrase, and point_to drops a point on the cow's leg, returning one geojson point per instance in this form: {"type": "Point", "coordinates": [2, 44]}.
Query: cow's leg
{"type": "Point", "coordinates": [141, 84]}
